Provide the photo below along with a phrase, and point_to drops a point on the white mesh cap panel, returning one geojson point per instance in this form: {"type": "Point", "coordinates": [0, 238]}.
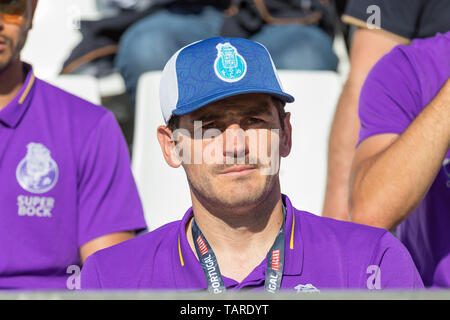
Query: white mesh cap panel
{"type": "Point", "coordinates": [168, 88]}
{"type": "Point", "coordinates": [273, 66]}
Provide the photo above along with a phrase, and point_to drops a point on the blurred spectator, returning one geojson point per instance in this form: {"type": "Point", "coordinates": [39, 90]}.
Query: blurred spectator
{"type": "Point", "coordinates": [94, 55]}
{"type": "Point", "coordinates": [399, 22]}
{"type": "Point", "coordinates": [66, 188]}
{"type": "Point", "coordinates": [299, 34]}
{"type": "Point", "coordinates": [147, 44]}
{"type": "Point", "coordinates": [400, 173]}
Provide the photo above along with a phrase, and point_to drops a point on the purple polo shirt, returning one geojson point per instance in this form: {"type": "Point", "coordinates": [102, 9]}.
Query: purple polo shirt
{"type": "Point", "coordinates": [65, 179]}
{"type": "Point", "coordinates": [320, 253]}
{"type": "Point", "coordinates": [396, 91]}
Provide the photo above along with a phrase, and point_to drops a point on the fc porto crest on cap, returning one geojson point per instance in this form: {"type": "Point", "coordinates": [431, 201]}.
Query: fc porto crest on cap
{"type": "Point", "coordinates": [229, 65]}
{"type": "Point", "coordinates": [37, 172]}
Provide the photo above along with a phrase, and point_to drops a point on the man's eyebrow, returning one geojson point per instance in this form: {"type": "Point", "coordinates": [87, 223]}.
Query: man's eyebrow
{"type": "Point", "coordinates": [207, 117]}
{"type": "Point", "coordinates": [262, 109]}
{"type": "Point", "coordinates": [257, 111]}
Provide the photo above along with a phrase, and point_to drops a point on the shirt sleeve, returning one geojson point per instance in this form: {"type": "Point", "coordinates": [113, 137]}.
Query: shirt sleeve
{"type": "Point", "coordinates": [391, 266]}
{"type": "Point", "coordinates": [89, 275]}
{"type": "Point", "coordinates": [108, 200]}
{"type": "Point", "coordinates": [441, 278]}
{"type": "Point", "coordinates": [399, 17]}
{"type": "Point", "coordinates": [390, 97]}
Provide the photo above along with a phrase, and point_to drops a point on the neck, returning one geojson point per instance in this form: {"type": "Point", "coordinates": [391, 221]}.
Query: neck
{"type": "Point", "coordinates": [240, 241]}
{"type": "Point", "coordinates": [11, 81]}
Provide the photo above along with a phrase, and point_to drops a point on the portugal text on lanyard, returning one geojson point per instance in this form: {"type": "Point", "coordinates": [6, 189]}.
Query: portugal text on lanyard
{"type": "Point", "coordinates": [208, 261]}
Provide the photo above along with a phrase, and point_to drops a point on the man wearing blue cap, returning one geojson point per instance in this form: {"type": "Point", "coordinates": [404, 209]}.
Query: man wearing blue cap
{"type": "Point", "coordinates": [225, 124]}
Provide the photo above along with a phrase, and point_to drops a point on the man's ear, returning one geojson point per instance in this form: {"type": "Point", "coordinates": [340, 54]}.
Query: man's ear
{"type": "Point", "coordinates": [168, 146]}
{"type": "Point", "coordinates": [286, 137]}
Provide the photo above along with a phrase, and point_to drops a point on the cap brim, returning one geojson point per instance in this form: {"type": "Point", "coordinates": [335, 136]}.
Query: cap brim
{"type": "Point", "coordinates": [188, 108]}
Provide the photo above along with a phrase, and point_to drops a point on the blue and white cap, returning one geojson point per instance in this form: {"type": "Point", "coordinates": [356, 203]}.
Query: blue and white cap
{"type": "Point", "coordinates": [216, 68]}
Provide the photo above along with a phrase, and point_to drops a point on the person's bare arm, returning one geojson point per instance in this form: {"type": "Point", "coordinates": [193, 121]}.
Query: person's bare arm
{"type": "Point", "coordinates": [368, 46]}
{"type": "Point", "coordinates": [391, 174]}
{"type": "Point", "coordinates": [103, 242]}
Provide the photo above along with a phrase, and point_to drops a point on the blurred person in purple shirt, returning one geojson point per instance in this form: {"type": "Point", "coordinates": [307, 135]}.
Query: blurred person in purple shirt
{"type": "Point", "coordinates": [376, 27]}
{"type": "Point", "coordinates": [226, 126]}
{"type": "Point", "coordinates": [66, 188]}
{"type": "Point", "coordinates": [401, 169]}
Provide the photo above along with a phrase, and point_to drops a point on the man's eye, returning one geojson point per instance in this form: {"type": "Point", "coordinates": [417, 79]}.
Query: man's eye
{"type": "Point", "coordinates": [207, 126]}
{"type": "Point", "coordinates": [255, 121]}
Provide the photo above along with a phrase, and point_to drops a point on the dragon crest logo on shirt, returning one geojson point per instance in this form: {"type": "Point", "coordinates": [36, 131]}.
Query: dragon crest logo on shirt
{"type": "Point", "coordinates": [37, 172]}
{"type": "Point", "coordinates": [229, 65]}
{"type": "Point", "coordinates": [306, 288]}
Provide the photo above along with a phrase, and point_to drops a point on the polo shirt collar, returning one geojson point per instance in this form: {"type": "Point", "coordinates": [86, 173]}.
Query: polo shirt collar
{"type": "Point", "coordinates": [185, 258]}
{"type": "Point", "coordinates": [293, 247]}
{"type": "Point", "coordinates": [11, 115]}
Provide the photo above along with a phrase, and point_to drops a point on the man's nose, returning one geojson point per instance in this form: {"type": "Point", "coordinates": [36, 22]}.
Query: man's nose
{"type": "Point", "coordinates": [235, 142]}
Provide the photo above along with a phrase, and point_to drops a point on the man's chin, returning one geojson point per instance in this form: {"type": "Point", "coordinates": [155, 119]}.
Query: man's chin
{"type": "Point", "coordinates": [239, 199]}
{"type": "Point", "coordinates": [5, 64]}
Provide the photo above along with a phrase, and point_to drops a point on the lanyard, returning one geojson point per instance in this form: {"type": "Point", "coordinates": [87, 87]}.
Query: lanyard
{"type": "Point", "coordinates": [210, 266]}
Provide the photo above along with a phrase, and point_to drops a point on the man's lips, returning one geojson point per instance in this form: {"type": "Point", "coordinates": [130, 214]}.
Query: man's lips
{"type": "Point", "coordinates": [238, 170]}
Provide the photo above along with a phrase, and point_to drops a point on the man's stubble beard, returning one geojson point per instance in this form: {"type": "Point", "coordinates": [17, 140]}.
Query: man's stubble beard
{"type": "Point", "coordinates": [212, 198]}
{"type": "Point", "coordinates": [14, 51]}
